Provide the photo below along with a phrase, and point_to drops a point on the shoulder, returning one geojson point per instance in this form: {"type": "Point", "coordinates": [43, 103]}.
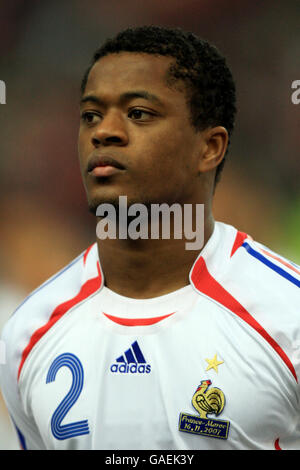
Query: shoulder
{"type": "Point", "coordinates": [40, 305]}
{"type": "Point", "coordinates": [252, 272]}
{"type": "Point", "coordinates": [258, 286]}
{"type": "Point", "coordinates": [248, 276]}
{"type": "Point", "coordinates": [264, 269]}
{"type": "Point", "coordinates": [268, 285]}
{"type": "Point", "coordinates": [234, 257]}
{"type": "Point", "coordinates": [34, 316]}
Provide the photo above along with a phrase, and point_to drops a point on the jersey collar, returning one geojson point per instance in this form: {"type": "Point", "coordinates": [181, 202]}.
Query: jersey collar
{"type": "Point", "coordinates": [216, 253]}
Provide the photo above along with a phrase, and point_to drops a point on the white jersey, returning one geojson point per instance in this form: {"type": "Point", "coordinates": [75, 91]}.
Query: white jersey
{"type": "Point", "coordinates": [214, 365]}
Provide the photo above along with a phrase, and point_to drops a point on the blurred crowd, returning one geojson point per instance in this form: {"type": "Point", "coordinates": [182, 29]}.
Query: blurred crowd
{"type": "Point", "coordinates": [44, 50]}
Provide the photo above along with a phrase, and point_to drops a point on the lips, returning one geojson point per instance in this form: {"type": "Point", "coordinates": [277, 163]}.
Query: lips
{"type": "Point", "coordinates": [103, 161]}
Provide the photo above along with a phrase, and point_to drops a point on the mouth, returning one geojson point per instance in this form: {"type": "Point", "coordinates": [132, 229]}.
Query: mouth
{"type": "Point", "coordinates": [103, 165]}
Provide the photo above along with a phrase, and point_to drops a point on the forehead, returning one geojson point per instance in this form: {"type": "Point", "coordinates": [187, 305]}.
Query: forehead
{"type": "Point", "coordinates": [125, 70]}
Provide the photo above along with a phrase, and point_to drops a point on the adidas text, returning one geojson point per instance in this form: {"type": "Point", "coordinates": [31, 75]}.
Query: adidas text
{"type": "Point", "coordinates": [131, 368]}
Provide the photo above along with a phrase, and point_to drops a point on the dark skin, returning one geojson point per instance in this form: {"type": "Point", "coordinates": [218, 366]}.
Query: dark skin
{"type": "Point", "coordinates": [164, 158]}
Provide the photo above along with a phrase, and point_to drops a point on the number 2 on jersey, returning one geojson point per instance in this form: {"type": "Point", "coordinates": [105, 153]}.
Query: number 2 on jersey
{"type": "Point", "coordinates": [65, 431]}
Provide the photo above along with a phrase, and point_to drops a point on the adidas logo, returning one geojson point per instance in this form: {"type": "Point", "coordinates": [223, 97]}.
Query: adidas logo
{"type": "Point", "coordinates": [131, 362]}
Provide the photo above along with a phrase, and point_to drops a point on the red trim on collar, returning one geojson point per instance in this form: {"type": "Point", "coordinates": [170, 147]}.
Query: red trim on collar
{"type": "Point", "coordinates": [239, 240]}
{"type": "Point", "coordinates": [136, 321]}
{"type": "Point", "coordinates": [87, 252]}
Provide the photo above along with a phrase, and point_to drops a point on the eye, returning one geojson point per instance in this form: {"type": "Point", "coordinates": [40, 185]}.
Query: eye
{"type": "Point", "coordinates": [89, 117]}
{"type": "Point", "coordinates": [139, 114]}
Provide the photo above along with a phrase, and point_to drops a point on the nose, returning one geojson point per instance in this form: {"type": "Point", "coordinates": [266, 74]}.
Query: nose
{"type": "Point", "coordinates": [111, 130]}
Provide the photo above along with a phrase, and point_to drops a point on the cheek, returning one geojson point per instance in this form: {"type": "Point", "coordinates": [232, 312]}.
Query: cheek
{"type": "Point", "coordinates": [161, 151]}
{"type": "Point", "coordinates": [83, 149]}
{"type": "Point", "coordinates": [170, 161]}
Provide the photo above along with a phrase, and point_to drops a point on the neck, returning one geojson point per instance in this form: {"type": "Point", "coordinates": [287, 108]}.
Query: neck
{"type": "Point", "coordinates": [149, 268]}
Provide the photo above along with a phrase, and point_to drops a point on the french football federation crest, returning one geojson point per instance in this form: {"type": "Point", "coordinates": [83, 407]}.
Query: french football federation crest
{"type": "Point", "coordinates": [206, 401]}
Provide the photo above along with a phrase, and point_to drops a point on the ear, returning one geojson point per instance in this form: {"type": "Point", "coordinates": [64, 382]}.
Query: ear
{"type": "Point", "coordinates": [213, 149]}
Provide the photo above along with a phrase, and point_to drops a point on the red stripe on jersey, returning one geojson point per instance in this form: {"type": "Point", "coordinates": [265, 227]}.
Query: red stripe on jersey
{"type": "Point", "coordinates": [239, 240]}
{"type": "Point", "coordinates": [91, 286]}
{"type": "Point", "coordinates": [205, 283]}
{"type": "Point", "coordinates": [276, 444]}
{"type": "Point", "coordinates": [86, 253]}
{"type": "Point", "coordinates": [136, 321]}
{"type": "Point", "coordinates": [288, 265]}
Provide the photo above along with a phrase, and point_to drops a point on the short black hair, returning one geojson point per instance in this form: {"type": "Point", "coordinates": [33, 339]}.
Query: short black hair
{"type": "Point", "coordinates": [209, 83]}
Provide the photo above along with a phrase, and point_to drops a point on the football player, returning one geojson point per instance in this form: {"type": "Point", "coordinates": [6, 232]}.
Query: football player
{"type": "Point", "coordinates": [142, 343]}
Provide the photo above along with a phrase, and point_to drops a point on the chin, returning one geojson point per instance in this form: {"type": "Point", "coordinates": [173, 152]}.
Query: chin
{"type": "Point", "coordinates": [93, 203]}
{"type": "Point", "coordinates": [114, 201]}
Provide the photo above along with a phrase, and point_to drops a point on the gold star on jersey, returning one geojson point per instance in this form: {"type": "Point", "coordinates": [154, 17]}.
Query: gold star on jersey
{"type": "Point", "coordinates": [213, 363]}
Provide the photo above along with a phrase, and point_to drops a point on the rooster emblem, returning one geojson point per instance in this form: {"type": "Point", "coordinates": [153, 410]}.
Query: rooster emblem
{"type": "Point", "coordinates": [208, 401]}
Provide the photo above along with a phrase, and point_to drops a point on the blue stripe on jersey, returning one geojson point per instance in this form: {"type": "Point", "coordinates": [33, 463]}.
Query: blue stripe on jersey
{"type": "Point", "coordinates": [21, 437]}
{"type": "Point", "coordinates": [271, 265]}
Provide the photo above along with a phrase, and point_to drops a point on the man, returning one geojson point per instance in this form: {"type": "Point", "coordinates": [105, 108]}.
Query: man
{"type": "Point", "coordinates": [142, 343]}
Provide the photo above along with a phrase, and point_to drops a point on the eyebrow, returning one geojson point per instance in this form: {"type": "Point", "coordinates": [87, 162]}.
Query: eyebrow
{"type": "Point", "coordinates": [127, 96]}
